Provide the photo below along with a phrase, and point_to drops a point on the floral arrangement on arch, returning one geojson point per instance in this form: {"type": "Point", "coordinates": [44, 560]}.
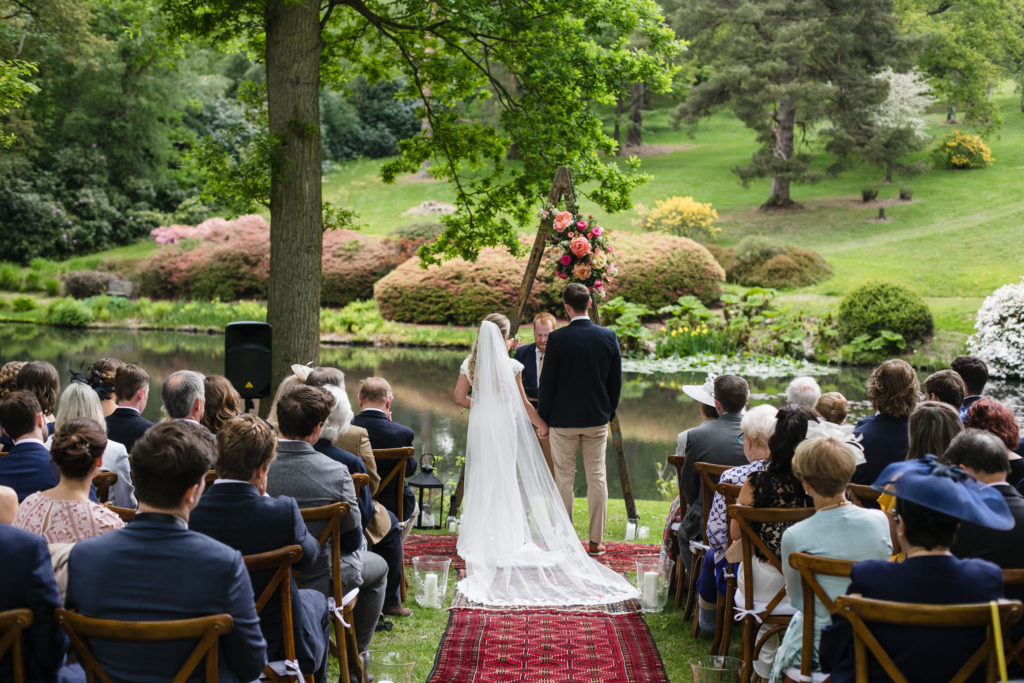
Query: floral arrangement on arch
{"type": "Point", "coordinates": [581, 249]}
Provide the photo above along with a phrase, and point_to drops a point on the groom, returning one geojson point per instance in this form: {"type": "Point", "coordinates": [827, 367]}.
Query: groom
{"type": "Point", "coordinates": [579, 392]}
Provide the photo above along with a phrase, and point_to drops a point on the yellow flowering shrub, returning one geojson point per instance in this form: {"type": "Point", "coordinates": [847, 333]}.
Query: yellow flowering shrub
{"type": "Point", "coordinates": [682, 216]}
{"type": "Point", "coordinates": [961, 150]}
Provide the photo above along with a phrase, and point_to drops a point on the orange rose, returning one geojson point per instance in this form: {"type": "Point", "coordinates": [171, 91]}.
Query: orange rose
{"type": "Point", "coordinates": [580, 246]}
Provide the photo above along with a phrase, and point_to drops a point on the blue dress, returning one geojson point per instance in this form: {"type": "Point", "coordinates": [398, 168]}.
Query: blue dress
{"type": "Point", "coordinates": [844, 533]}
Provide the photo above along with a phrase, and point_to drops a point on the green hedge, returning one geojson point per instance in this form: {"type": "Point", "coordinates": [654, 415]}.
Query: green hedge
{"type": "Point", "coordinates": [654, 270]}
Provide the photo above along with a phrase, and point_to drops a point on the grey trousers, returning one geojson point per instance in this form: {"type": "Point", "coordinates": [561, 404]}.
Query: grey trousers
{"type": "Point", "coordinates": [371, 597]}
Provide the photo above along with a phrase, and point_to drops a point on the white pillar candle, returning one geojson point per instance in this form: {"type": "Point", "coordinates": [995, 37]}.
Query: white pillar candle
{"type": "Point", "coordinates": [650, 588]}
{"type": "Point", "coordinates": [430, 590]}
{"type": "Point", "coordinates": [630, 531]}
{"type": "Point", "coordinates": [643, 532]}
{"type": "Point", "coordinates": [453, 526]}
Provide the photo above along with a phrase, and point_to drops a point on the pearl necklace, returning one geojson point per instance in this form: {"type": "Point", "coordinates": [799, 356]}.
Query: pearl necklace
{"type": "Point", "coordinates": [833, 506]}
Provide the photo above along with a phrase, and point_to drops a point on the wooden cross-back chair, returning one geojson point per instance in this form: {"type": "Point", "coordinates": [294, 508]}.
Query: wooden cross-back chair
{"type": "Point", "coordinates": [751, 614]}
{"type": "Point", "coordinates": [126, 514]}
{"type": "Point", "coordinates": [861, 611]}
{"type": "Point", "coordinates": [723, 607]}
{"type": "Point", "coordinates": [399, 456]}
{"type": "Point", "coordinates": [207, 630]}
{"type": "Point", "coordinates": [810, 566]}
{"type": "Point", "coordinates": [709, 474]}
{"type": "Point", "coordinates": [862, 496]}
{"type": "Point", "coordinates": [360, 481]}
{"type": "Point", "coordinates": [1014, 648]}
{"type": "Point", "coordinates": [680, 572]}
{"type": "Point", "coordinates": [344, 646]}
{"type": "Point", "coordinates": [12, 623]}
{"type": "Point", "coordinates": [103, 481]}
{"type": "Point", "coordinates": [280, 561]}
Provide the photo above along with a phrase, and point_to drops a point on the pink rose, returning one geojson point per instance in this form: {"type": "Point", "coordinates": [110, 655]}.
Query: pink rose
{"type": "Point", "coordinates": [562, 221]}
{"type": "Point", "coordinates": [597, 231]}
{"type": "Point", "coordinates": [582, 225]}
{"type": "Point", "coordinates": [580, 247]}
{"type": "Point", "coordinates": [598, 284]}
{"type": "Point", "coordinates": [565, 260]}
{"type": "Point", "coordinates": [581, 271]}
{"type": "Point", "coordinates": [572, 233]}
{"type": "Point", "coordinates": [563, 275]}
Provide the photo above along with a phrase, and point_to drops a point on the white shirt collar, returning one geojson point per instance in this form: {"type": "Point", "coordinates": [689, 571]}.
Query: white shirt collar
{"type": "Point", "coordinates": [130, 408]}
{"type": "Point", "coordinates": [30, 439]}
{"type": "Point", "coordinates": [230, 481]}
{"type": "Point", "coordinates": [188, 419]}
{"type": "Point", "coordinates": [580, 317]}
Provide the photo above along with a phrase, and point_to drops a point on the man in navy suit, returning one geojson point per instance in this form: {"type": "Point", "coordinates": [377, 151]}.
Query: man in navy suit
{"type": "Point", "coordinates": [28, 582]}
{"type": "Point", "coordinates": [236, 512]}
{"type": "Point", "coordinates": [27, 468]}
{"type": "Point", "coordinates": [126, 424]}
{"type": "Point", "coordinates": [532, 358]}
{"type": "Point", "coordinates": [155, 569]}
{"type": "Point", "coordinates": [375, 398]}
{"type": "Point", "coordinates": [974, 372]}
{"type": "Point", "coordinates": [579, 392]}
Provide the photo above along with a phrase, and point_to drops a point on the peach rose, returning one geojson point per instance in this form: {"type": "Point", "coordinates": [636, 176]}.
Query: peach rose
{"type": "Point", "coordinates": [562, 221]}
{"type": "Point", "coordinates": [580, 246]}
{"type": "Point", "coordinates": [581, 271]}
{"type": "Point", "coordinates": [598, 260]}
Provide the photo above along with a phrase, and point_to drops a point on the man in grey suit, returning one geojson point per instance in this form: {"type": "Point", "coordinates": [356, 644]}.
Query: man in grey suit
{"type": "Point", "coordinates": [715, 441]}
{"type": "Point", "coordinates": [313, 479]}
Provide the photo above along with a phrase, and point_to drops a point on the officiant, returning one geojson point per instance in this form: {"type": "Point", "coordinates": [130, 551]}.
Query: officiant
{"type": "Point", "coordinates": [532, 358]}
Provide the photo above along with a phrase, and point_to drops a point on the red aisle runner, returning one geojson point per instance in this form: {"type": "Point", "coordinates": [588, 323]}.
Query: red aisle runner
{"type": "Point", "coordinates": [547, 646]}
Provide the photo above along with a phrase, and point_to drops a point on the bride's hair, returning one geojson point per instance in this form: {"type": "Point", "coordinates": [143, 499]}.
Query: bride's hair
{"type": "Point", "coordinates": [503, 324]}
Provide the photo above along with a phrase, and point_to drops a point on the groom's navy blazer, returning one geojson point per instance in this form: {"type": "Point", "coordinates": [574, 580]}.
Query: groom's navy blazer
{"type": "Point", "coordinates": [582, 376]}
{"type": "Point", "coordinates": [385, 433]}
{"type": "Point", "coordinates": [527, 355]}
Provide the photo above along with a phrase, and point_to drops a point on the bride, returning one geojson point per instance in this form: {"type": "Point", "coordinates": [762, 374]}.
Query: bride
{"type": "Point", "coordinates": [517, 540]}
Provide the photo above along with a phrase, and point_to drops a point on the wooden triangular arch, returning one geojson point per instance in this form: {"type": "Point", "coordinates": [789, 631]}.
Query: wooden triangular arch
{"type": "Point", "coordinates": [562, 190]}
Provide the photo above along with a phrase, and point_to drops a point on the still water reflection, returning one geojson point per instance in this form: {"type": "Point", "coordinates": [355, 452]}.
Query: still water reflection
{"type": "Point", "coordinates": [653, 408]}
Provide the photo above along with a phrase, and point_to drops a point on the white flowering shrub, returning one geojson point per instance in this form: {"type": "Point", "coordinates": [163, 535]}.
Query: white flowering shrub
{"type": "Point", "coordinates": [999, 339]}
{"type": "Point", "coordinates": [905, 106]}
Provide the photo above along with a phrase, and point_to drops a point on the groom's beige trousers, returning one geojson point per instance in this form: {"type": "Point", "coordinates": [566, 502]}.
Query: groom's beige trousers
{"type": "Point", "coordinates": [592, 441]}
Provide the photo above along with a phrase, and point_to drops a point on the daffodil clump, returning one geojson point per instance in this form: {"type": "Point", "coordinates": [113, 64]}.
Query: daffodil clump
{"type": "Point", "coordinates": [962, 151]}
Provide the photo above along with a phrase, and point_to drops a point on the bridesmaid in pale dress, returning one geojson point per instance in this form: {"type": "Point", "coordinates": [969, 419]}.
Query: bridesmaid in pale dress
{"type": "Point", "coordinates": [64, 514]}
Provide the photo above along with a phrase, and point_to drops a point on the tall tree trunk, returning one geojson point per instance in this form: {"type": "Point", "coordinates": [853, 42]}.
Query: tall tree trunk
{"type": "Point", "coordinates": [950, 113]}
{"type": "Point", "coordinates": [888, 171]}
{"type": "Point", "coordinates": [635, 134]}
{"type": "Point", "coordinates": [617, 133]}
{"type": "Point", "coordinates": [296, 219]}
{"type": "Point", "coordinates": [783, 129]}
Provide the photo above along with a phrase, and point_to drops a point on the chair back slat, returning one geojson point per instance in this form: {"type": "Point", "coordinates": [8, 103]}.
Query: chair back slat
{"type": "Point", "coordinates": [281, 561]}
{"type": "Point", "coordinates": [12, 624]}
{"type": "Point", "coordinates": [861, 611]}
{"type": "Point", "coordinates": [810, 566]}
{"type": "Point", "coordinates": [103, 481]}
{"type": "Point", "coordinates": [1014, 648]}
{"type": "Point", "coordinates": [126, 514]}
{"type": "Point", "coordinates": [399, 456]}
{"type": "Point", "coordinates": [677, 461]}
{"type": "Point", "coordinates": [360, 481]}
{"type": "Point", "coordinates": [859, 494]}
{"type": "Point", "coordinates": [709, 474]}
{"type": "Point", "coordinates": [730, 492]}
{"type": "Point", "coordinates": [207, 630]}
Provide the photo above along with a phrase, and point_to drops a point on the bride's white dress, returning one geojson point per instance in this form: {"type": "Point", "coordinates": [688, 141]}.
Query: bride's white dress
{"type": "Point", "coordinates": [517, 540]}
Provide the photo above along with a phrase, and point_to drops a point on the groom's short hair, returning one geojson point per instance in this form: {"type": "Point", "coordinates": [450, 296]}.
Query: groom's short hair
{"type": "Point", "coordinates": [732, 392]}
{"type": "Point", "coordinates": [576, 296]}
{"type": "Point", "coordinates": [374, 390]}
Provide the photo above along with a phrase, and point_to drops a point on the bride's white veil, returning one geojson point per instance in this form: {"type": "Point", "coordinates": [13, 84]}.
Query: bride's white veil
{"type": "Point", "coordinates": [516, 536]}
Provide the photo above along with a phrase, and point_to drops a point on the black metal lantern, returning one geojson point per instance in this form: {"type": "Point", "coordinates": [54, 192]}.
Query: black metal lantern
{"type": "Point", "coordinates": [429, 491]}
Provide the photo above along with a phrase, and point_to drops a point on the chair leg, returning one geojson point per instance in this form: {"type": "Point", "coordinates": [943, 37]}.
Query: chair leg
{"type": "Point", "coordinates": [719, 624]}
{"type": "Point", "coordinates": [350, 642]}
{"type": "Point", "coordinates": [691, 596]}
{"type": "Point", "coordinates": [680, 581]}
{"type": "Point", "coordinates": [403, 580]}
{"type": "Point", "coordinates": [748, 649]}
{"type": "Point", "coordinates": [730, 592]}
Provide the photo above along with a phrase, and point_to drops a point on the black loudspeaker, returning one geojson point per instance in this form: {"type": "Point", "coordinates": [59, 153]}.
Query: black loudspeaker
{"type": "Point", "coordinates": [247, 358]}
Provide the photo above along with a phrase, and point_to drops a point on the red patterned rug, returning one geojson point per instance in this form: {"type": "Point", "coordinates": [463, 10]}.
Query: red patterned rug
{"type": "Point", "coordinates": [621, 557]}
{"type": "Point", "coordinates": [546, 646]}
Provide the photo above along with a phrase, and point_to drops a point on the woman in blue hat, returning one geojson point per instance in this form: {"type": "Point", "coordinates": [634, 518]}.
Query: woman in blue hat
{"type": "Point", "coordinates": [931, 499]}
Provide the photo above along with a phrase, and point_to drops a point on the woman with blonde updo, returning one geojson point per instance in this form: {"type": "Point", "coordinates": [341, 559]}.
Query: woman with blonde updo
{"type": "Point", "coordinates": [64, 514]}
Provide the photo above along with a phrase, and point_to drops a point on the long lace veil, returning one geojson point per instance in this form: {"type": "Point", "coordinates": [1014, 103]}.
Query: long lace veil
{"type": "Point", "coordinates": [517, 540]}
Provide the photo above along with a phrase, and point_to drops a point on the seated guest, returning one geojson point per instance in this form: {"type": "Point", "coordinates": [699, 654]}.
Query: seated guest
{"type": "Point", "coordinates": [40, 378]}
{"type": "Point", "coordinates": [389, 546]}
{"type": "Point", "coordinates": [155, 569]}
{"type": "Point", "coordinates": [931, 499]}
{"type": "Point", "coordinates": [931, 428]}
{"type": "Point", "coordinates": [27, 468]}
{"type": "Point", "coordinates": [184, 396]}
{"type": "Point", "coordinates": [101, 378]}
{"type": "Point", "coordinates": [974, 372]}
{"type": "Point", "coordinates": [28, 582]}
{"type": "Point", "coordinates": [838, 529]}
{"type": "Point", "coordinates": [894, 391]}
{"type": "Point", "coordinates": [756, 429]}
{"type": "Point", "coordinates": [715, 441]}
{"type": "Point", "coordinates": [313, 480]}
{"type": "Point", "coordinates": [8, 378]}
{"type": "Point", "coordinates": [833, 407]}
{"type": "Point", "coordinates": [774, 487]}
{"type": "Point", "coordinates": [222, 402]}
{"type": "Point", "coordinates": [78, 400]}
{"type": "Point", "coordinates": [64, 513]}
{"type": "Point", "coordinates": [945, 386]}
{"type": "Point", "coordinates": [126, 424]}
{"type": "Point", "coordinates": [375, 399]}
{"type": "Point", "coordinates": [803, 392]}
{"type": "Point", "coordinates": [236, 512]}
{"type": "Point", "coordinates": [992, 416]}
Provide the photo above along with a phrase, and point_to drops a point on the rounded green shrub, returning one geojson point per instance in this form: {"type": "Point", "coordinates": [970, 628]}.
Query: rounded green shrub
{"type": "Point", "coordinates": [23, 303]}
{"type": "Point", "coordinates": [654, 270]}
{"type": "Point", "coordinates": [82, 284]}
{"type": "Point", "coordinates": [762, 262]}
{"type": "Point", "coordinates": [68, 313]}
{"type": "Point", "coordinates": [878, 306]}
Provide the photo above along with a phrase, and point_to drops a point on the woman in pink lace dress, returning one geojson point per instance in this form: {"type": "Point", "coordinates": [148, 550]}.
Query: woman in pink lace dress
{"type": "Point", "coordinates": [64, 514]}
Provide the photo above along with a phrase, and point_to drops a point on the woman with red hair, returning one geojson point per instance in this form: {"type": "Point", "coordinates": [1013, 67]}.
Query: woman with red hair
{"type": "Point", "coordinates": [992, 416]}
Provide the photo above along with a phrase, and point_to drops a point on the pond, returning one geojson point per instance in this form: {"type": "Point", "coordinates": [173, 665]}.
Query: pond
{"type": "Point", "coordinates": [652, 411]}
